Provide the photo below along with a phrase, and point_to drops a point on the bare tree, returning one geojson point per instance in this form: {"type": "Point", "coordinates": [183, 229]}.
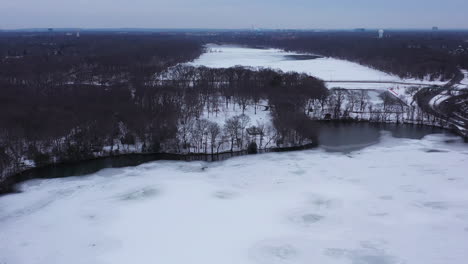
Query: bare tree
{"type": "Point", "coordinates": [244, 122]}
{"type": "Point", "coordinates": [214, 132]}
{"type": "Point", "coordinates": [336, 99]}
{"type": "Point", "coordinates": [200, 135]}
{"type": "Point", "coordinates": [261, 132]}
{"type": "Point", "coordinates": [232, 128]}
{"type": "Point", "coordinates": [185, 127]}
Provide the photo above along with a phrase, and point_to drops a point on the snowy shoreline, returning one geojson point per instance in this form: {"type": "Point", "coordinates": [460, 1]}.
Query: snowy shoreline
{"type": "Point", "coordinates": [400, 201]}
{"type": "Point", "coordinates": [7, 185]}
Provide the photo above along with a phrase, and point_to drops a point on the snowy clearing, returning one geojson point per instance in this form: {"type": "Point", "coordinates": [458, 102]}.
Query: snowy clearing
{"type": "Point", "coordinates": [328, 69]}
{"type": "Point", "coordinates": [400, 201]}
{"type": "Point", "coordinates": [260, 115]}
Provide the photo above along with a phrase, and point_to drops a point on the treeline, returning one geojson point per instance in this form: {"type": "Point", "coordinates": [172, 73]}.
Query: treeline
{"type": "Point", "coordinates": [420, 55]}
{"type": "Point", "coordinates": [48, 60]}
{"type": "Point", "coordinates": [61, 97]}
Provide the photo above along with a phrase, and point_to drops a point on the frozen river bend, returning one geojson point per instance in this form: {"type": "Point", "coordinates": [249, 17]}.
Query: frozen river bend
{"type": "Point", "coordinates": [328, 69]}
{"type": "Point", "coordinates": [399, 201]}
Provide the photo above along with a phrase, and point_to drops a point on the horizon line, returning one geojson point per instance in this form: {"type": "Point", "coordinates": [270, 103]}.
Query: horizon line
{"type": "Point", "coordinates": [223, 29]}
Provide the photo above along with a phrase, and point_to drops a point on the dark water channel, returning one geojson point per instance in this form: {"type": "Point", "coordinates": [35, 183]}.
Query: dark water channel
{"type": "Point", "coordinates": [333, 136]}
{"type": "Point", "coordinates": [345, 137]}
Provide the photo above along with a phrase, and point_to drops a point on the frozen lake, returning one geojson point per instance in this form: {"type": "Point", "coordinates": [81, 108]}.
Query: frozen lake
{"type": "Point", "coordinates": [398, 201]}
{"type": "Point", "coordinates": [329, 69]}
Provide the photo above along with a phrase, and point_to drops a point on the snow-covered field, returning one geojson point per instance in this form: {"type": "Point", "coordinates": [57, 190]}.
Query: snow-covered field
{"type": "Point", "coordinates": [328, 69]}
{"type": "Point", "coordinates": [399, 201]}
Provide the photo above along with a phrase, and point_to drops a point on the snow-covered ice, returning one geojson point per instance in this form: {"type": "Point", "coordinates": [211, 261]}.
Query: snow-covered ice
{"type": "Point", "coordinates": [328, 69]}
{"type": "Point", "coordinates": [399, 201]}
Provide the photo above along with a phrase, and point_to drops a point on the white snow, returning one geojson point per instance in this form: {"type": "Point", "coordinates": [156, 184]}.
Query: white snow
{"type": "Point", "coordinates": [463, 83]}
{"type": "Point", "coordinates": [260, 116]}
{"type": "Point", "coordinates": [436, 100]}
{"type": "Point", "coordinates": [327, 69]}
{"type": "Point", "coordinates": [398, 201]}
{"type": "Point", "coordinates": [373, 86]}
{"type": "Point", "coordinates": [465, 79]}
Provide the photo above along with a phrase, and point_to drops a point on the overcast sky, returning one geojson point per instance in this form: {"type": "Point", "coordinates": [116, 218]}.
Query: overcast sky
{"type": "Point", "coordinates": [330, 14]}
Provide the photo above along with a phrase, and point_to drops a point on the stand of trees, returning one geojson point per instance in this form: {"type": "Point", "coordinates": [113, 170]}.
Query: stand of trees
{"type": "Point", "coordinates": [108, 95]}
{"type": "Point", "coordinates": [64, 98]}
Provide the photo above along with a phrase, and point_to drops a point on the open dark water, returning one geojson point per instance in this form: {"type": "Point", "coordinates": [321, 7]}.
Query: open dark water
{"type": "Point", "coordinates": [345, 137]}
{"type": "Point", "coordinates": [333, 136]}
{"type": "Point", "coordinates": [302, 57]}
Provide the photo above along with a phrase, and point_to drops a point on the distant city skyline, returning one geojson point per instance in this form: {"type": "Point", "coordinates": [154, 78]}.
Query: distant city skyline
{"type": "Point", "coordinates": [224, 14]}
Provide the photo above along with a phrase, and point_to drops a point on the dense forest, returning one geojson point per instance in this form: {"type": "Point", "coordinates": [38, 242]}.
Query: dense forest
{"type": "Point", "coordinates": [66, 99]}
{"type": "Point", "coordinates": [66, 94]}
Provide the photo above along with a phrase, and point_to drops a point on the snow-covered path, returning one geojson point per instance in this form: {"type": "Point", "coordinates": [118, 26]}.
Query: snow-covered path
{"type": "Point", "coordinates": [400, 201]}
{"type": "Point", "coordinates": [464, 82]}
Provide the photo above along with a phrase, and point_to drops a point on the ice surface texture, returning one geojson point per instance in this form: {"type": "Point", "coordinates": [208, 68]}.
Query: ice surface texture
{"type": "Point", "coordinates": [390, 203]}
{"type": "Point", "coordinates": [328, 69]}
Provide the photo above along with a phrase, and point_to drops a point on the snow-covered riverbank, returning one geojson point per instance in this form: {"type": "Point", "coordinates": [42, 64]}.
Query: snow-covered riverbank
{"type": "Point", "coordinates": [400, 201]}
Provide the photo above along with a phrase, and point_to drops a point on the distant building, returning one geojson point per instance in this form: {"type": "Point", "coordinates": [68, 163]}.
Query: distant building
{"type": "Point", "coordinates": [359, 29]}
{"type": "Point", "coordinates": [435, 28]}
{"type": "Point", "coordinates": [381, 33]}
